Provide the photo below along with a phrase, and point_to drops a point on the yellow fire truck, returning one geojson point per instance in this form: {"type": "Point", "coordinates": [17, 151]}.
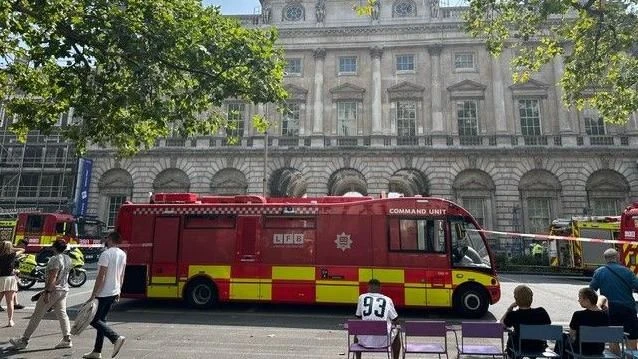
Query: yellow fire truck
{"type": "Point", "coordinates": [586, 256]}
{"type": "Point", "coordinates": [7, 229]}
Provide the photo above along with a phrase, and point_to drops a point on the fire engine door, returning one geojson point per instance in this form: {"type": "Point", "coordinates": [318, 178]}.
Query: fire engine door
{"type": "Point", "coordinates": [164, 267]}
{"type": "Point", "coordinates": [248, 228]}
{"type": "Point", "coordinates": [247, 277]}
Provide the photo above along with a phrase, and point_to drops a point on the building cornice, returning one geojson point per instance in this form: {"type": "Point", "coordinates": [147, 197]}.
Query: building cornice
{"type": "Point", "coordinates": [295, 32]}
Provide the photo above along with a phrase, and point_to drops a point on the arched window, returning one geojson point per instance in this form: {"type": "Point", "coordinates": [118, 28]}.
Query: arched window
{"type": "Point", "coordinates": [114, 187]}
{"type": "Point", "coordinates": [171, 180]}
{"type": "Point", "coordinates": [347, 181]}
{"type": "Point", "coordinates": [474, 190]}
{"type": "Point", "coordinates": [408, 182]}
{"type": "Point", "coordinates": [287, 182]}
{"type": "Point", "coordinates": [540, 193]}
{"type": "Point", "coordinates": [293, 12]}
{"type": "Point", "coordinates": [404, 8]}
{"type": "Point", "coordinates": [229, 181]}
{"type": "Point", "coordinates": [606, 193]}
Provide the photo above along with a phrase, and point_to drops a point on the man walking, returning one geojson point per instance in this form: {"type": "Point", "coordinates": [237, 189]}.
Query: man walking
{"type": "Point", "coordinates": [617, 283]}
{"type": "Point", "coordinates": [107, 289]}
{"type": "Point", "coordinates": [54, 296]}
{"type": "Point", "coordinates": [376, 306]}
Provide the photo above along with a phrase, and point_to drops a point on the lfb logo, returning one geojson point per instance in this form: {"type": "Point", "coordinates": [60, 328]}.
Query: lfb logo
{"type": "Point", "coordinates": [343, 241]}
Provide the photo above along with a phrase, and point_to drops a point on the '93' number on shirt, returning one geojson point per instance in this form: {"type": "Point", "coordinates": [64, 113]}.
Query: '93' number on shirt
{"type": "Point", "coordinates": [376, 306]}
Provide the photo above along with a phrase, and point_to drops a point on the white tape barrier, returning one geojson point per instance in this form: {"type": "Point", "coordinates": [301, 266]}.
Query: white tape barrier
{"type": "Point", "coordinates": [123, 245]}
{"type": "Point", "coordinates": [549, 237]}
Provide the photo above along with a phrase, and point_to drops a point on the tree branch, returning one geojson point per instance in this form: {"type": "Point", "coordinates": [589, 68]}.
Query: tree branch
{"type": "Point", "coordinates": [82, 57]}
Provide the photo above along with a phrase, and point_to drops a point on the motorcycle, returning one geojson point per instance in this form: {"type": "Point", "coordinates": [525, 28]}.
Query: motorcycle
{"type": "Point", "coordinates": [31, 268]}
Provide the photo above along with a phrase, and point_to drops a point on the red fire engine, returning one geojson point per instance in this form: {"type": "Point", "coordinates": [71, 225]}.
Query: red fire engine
{"type": "Point", "coordinates": [37, 231]}
{"type": "Point", "coordinates": [628, 230]}
{"type": "Point", "coordinates": [206, 249]}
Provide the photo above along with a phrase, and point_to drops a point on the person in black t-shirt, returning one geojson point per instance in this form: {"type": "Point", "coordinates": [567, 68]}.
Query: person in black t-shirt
{"type": "Point", "coordinates": [592, 316]}
{"type": "Point", "coordinates": [525, 314]}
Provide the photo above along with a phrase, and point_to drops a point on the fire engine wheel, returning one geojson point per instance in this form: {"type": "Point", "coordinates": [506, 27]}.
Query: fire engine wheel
{"type": "Point", "coordinates": [24, 283]}
{"type": "Point", "coordinates": [201, 294]}
{"type": "Point", "coordinates": [471, 301]}
{"type": "Point", "coordinates": [77, 278]}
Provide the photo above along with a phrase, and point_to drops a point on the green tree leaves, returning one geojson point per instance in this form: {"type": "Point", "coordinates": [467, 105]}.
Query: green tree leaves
{"type": "Point", "coordinates": [130, 68]}
{"type": "Point", "coordinates": [595, 38]}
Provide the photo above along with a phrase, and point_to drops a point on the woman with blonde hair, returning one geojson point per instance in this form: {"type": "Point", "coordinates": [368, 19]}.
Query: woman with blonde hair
{"type": "Point", "coordinates": [8, 280]}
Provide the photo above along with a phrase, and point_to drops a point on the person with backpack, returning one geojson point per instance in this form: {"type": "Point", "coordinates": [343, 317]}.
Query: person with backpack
{"type": "Point", "coordinates": [617, 283]}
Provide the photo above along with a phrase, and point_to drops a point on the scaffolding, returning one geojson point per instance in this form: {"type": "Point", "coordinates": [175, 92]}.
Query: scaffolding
{"type": "Point", "coordinates": [38, 174]}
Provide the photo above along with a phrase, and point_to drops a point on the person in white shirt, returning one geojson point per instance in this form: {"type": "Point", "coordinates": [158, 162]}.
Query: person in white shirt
{"type": "Point", "coordinates": [108, 284]}
{"type": "Point", "coordinates": [376, 306]}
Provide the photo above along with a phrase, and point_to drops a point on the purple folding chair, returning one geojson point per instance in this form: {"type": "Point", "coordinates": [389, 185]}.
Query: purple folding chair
{"type": "Point", "coordinates": [368, 327]}
{"type": "Point", "coordinates": [424, 329]}
{"type": "Point", "coordinates": [481, 330]}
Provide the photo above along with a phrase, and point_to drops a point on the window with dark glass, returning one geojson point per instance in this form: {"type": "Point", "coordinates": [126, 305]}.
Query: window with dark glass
{"type": "Point", "coordinates": [34, 223]}
{"type": "Point", "coordinates": [293, 66]}
{"type": "Point", "coordinates": [529, 112]}
{"type": "Point", "coordinates": [467, 115]}
{"type": "Point", "coordinates": [290, 121]}
{"type": "Point", "coordinates": [406, 118]}
{"type": "Point", "coordinates": [420, 235]}
{"type": "Point", "coordinates": [236, 119]}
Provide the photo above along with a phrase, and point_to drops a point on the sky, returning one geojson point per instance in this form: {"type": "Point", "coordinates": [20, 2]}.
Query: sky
{"type": "Point", "coordinates": [232, 7]}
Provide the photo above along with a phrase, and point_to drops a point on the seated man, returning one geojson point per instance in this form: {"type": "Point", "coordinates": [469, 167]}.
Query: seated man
{"type": "Point", "coordinates": [592, 316]}
{"type": "Point", "coordinates": [376, 306]}
{"type": "Point", "coordinates": [525, 314]}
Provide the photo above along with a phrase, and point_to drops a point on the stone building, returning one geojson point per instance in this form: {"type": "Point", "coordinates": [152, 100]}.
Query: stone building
{"type": "Point", "coordinates": [399, 101]}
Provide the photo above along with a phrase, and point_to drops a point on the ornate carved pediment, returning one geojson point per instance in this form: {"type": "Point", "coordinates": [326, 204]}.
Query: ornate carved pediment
{"type": "Point", "coordinates": [530, 88]}
{"type": "Point", "coordinates": [467, 89]}
{"type": "Point", "coordinates": [347, 91]}
{"type": "Point", "coordinates": [405, 90]}
{"type": "Point", "coordinates": [296, 93]}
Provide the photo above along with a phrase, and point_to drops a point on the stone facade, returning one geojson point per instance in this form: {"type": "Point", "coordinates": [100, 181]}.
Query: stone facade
{"type": "Point", "coordinates": [401, 101]}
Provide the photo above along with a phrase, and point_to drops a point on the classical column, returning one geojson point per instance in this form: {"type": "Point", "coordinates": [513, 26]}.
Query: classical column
{"type": "Point", "coordinates": [377, 126]}
{"type": "Point", "coordinates": [437, 113]}
{"type": "Point", "coordinates": [566, 118]}
{"type": "Point", "coordinates": [498, 96]}
{"type": "Point", "coordinates": [317, 125]}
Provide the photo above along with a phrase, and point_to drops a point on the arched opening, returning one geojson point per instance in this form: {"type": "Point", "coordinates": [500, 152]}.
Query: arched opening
{"type": "Point", "coordinates": [287, 182]}
{"type": "Point", "coordinates": [229, 181]}
{"type": "Point", "coordinates": [606, 193]}
{"type": "Point", "coordinates": [171, 180]}
{"type": "Point", "coordinates": [408, 182]}
{"type": "Point", "coordinates": [115, 187]}
{"type": "Point", "coordinates": [347, 180]}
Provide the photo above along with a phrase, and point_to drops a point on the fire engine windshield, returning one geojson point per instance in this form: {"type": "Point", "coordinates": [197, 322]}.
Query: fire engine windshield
{"type": "Point", "coordinates": [89, 230]}
{"type": "Point", "coordinates": [468, 247]}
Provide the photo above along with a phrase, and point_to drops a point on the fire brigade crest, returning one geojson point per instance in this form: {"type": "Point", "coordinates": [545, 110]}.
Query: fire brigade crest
{"type": "Point", "coordinates": [343, 241]}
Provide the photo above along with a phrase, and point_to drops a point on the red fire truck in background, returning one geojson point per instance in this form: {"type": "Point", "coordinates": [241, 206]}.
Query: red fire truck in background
{"type": "Point", "coordinates": [209, 249]}
{"type": "Point", "coordinates": [38, 231]}
{"type": "Point", "coordinates": [628, 230]}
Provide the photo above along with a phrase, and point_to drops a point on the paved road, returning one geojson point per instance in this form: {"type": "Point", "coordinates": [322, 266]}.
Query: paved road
{"type": "Point", "coordinates": [166, 329]}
